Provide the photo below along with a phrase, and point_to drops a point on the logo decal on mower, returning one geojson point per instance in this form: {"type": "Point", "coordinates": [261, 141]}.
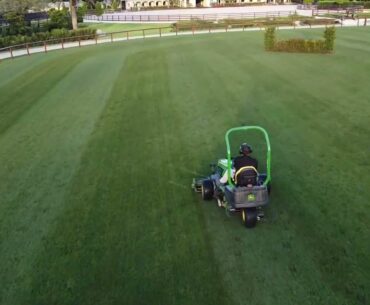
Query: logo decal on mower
{"type": "Point", "coordinates": [251, 197]}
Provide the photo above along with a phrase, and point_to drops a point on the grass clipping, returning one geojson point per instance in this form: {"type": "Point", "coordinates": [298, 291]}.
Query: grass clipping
{"type": "Point", "coordinates": [295, 45]}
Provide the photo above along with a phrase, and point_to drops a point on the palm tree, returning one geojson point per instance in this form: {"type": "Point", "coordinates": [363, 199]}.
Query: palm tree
{"type": "Point", "coordinates": [73, 8]}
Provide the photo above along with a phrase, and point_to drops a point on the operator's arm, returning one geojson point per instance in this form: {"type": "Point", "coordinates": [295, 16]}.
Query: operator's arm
{"type": "Point", "coordinates": [224, 177]}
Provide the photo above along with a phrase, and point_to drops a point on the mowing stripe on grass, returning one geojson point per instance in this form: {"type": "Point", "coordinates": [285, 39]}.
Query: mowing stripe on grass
{"type": "Point", "coordinates": [128, 233]}
{"type": "Point", "coordinates": [114, 219]}
{"type": "Point", "coordinates": [39, 154]}
{"type": "Point", "coordinates": [30, 88]}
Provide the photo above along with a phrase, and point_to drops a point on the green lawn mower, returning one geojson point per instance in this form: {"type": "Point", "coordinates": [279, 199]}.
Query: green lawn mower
{"type": "Point", "coordinates": [247, 191]}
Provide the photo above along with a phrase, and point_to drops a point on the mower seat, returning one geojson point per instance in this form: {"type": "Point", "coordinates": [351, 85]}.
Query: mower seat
{"type": "Point", "coordinates": [246, 176]}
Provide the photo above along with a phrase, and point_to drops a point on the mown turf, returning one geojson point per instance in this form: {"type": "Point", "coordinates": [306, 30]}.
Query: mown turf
{"type": "Point", "coordinates": [116, 27]}
{"type": "Point", "coordinates": [134, 28]}
{"type": "Point", "coordinates": [98, 147]}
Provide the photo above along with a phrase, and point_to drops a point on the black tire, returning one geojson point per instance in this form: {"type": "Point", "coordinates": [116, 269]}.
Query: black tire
{"type": "Point", "coordinates": [249, 217]}
{"type": "Point", "coordinates": [207, 190]}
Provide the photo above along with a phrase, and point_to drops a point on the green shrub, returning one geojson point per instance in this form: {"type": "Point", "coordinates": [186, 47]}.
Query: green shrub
{"type": "Point", "coordinates": [115, 5]}
{"type": "Point", "coordinates": [342, 4]}
{"type": "Point", "coordinates": [320, 21]}
{"type": "Point", "coordinates": [329, 36]}
{"type": "Point", "coordinates": [325, 45]}
{"type": "Point", "coordinates": [59, 19]}
{"type": "Point", "coordinates": [99, 9]}
{"type": "Point", "coordinates": [290, 45]}
{"type": "Point", "coordinates": [16, 24]}
{"type": "Point", "coordinates": [56, 34]}
{"type": "Point", "coordinates": [300, 46]}
{"type": "Point", "coordinates": [81, 11]}
{"type": "Point", "coordinates": [270, 38]}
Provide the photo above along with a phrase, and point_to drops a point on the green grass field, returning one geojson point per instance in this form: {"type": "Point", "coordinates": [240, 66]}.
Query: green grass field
{"type": "Point", "coordinates": [98, 147]}
{"type": "Point", "coordinates": [117, 27]}
{"type": "Point", "coordinates": [135, 28]}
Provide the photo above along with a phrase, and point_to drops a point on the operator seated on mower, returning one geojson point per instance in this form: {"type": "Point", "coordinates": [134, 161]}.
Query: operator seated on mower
{"type": "Point", "coordinates": [244, 167]}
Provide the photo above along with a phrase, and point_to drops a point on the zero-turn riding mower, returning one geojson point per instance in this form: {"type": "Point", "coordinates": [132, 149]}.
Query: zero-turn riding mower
{"type": "Point", "coordinates": [246, 191]}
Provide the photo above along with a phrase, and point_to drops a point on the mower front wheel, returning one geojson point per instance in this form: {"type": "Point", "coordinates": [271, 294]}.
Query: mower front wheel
{"type": "Point", "coordinates": [207, 190]}
{"type": "Point", "coordinates": [249, 217]}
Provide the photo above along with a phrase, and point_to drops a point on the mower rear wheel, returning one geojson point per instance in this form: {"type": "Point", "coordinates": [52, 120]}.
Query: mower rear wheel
{"type": "Point", "coordinates": [249, 217]}
{"type": "Point", "coordinates": [207, 190]}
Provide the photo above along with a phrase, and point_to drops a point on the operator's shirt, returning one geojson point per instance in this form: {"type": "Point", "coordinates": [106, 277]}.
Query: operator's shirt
{"type": "Point", "coordinates": [242, 161]}
{"type": "Point", "coordinates": [238, 163]}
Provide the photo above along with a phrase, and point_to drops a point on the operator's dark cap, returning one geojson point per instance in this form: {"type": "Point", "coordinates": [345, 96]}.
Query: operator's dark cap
{"type": "Point", "coordinates": [245, 148]}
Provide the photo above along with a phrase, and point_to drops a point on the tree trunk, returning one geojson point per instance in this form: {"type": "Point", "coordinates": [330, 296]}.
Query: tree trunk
{"type": "Point", "coordinates": [72, 7]}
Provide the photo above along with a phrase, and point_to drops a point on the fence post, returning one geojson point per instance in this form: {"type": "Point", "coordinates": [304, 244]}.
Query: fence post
{"type": "Point", "coordinates": [63, 43]}
{"type": "Point", "coordinates": [28, 49]}
{"type": "Point", "coordinates": [365, 22]}
{"type": "Point", "coordinates": [11, 52]}
{"type": "Point", "coordinates": [176, 29]}
{"type": "Point", "coordinates": [79, 42]}
{"type": "Point", "coordinates": [358, 22]}
{"type": "Point", "coordinates": [160, 32]}
{"type": "Point", "coordinates": [45, 47]}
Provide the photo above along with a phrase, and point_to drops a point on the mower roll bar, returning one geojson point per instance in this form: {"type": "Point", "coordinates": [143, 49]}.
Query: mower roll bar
{"type": "Point", "coordinates": [268, 163]}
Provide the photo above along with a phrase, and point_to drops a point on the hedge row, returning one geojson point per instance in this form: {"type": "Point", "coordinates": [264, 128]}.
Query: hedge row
{"type": "Point", "coordinates": [325, 45]}
{"type": "Point", "coordinates": [342, 5]}
{"type": "Point", "coordinates": [237, 23]}
{"type": "Point", "coordinates": [318, 22]}
{"type": "Point", "coordinates": [58, 34]}
{"type": "Point", "coordinates": [300, 46]}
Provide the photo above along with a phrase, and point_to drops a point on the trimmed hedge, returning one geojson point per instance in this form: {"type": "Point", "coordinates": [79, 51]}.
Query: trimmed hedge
{"type": "Point", "coordinates": [325, 45]}
{"type": "Point", "coordinates": [58, 34]}
{"type": "Point", "coordinates": [237, 23]}
{"type": "Point", "coordinates": [270, 39]}
{"type": "Point", "coordinates": [318, 22]}
{"type": "Point", "coordinates": [342, 4]}
{"type": "Point", "coordinates": [329, 36]}
{"type": "Point", "coordinates": [300, 46]}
